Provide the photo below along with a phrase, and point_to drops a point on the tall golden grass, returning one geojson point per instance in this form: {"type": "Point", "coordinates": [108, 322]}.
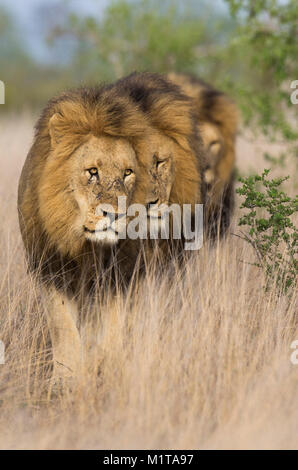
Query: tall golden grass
{"type": "Point", "coordinates": [199, 358]}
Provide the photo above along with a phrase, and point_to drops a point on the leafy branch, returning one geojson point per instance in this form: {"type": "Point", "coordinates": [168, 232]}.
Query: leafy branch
{"type": "Point", "coordinates": [272, 232]}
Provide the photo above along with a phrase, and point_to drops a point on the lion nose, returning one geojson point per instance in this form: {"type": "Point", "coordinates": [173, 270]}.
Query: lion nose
{"type": "Point", "coordinates": [152, 203]}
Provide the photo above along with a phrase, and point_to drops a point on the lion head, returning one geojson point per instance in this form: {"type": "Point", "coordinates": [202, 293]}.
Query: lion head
{"type": "Point", "coordinates": [79, 190]}
{"type": "Point", "coordinates": [172, 171]}
{"type": "Point", "coordinates": [171, 153]}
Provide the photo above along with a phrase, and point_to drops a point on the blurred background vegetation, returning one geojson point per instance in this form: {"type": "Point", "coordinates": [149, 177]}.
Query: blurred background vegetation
{"type": "Point", "coordinates": [248, 48]}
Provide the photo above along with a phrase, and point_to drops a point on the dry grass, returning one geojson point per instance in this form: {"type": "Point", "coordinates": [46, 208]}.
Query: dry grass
{"type": "Point", "coordinates": [201, 360]}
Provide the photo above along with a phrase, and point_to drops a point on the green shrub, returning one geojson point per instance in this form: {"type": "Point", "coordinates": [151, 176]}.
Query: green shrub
{"type": "Point", "coordinates": [272, 232]}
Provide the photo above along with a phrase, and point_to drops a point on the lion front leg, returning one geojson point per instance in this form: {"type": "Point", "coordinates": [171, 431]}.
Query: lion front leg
{"type": "Point", "coordinates": [62, 315]}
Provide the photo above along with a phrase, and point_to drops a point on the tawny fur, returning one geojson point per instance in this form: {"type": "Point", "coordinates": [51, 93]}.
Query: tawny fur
{"type": "Point", "coordinates": [215, 113]}
{"type": "Point", "coordinates": [172, 121]}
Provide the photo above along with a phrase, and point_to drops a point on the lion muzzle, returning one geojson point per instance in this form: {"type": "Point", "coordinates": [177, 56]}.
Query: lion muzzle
{"type": "Point", "coordinates": [105, 225]}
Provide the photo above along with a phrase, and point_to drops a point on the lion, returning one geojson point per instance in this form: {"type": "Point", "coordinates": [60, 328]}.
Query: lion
{"type": "Point", "coordinates": [217, 118]}
{"type": "Point", "coordinates": [93, 146]}
{"type": "Point", "coordinates": [67, 175]}
{"type": "Point", "coordinates": [172, 153]}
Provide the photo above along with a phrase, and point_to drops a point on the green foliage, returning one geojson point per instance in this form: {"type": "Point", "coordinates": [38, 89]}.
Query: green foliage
{"type": "Point", "coordinates": [272, 232]}
{"type": "Point", "coordinates": [267, 36]}
{"type": "Point", "coordinates": [145, 35]}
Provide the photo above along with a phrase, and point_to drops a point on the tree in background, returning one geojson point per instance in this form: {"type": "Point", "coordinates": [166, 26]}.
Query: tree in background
{"type": "Point", "coordinates": [148, 35]}
{"type": "Point", "coordinates": [267, 38]}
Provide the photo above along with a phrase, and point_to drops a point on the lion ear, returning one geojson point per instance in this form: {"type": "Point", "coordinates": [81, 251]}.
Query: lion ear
{"type": "Point", "coordinates": [55, 129]}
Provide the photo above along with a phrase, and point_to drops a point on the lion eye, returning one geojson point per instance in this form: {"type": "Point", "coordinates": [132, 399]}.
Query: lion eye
{"type": "Point", "coordinates": [93, 174]}
{"type": "Point", "coordinates": [93, 171]}
{"type": "Point", "coordinates": [128, 172]}
{"type": "Point", "coordinates": [214, 142]}
{"type": "Point", "coordinates": [158, 161]}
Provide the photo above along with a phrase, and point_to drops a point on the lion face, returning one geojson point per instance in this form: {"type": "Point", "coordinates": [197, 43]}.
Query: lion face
{"type": "Point", "coordinates": [156, 154]}
{"type": "Point", "coordinates": [156, 157]}
{"type": "Point", "coordinates": [105, 170]}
